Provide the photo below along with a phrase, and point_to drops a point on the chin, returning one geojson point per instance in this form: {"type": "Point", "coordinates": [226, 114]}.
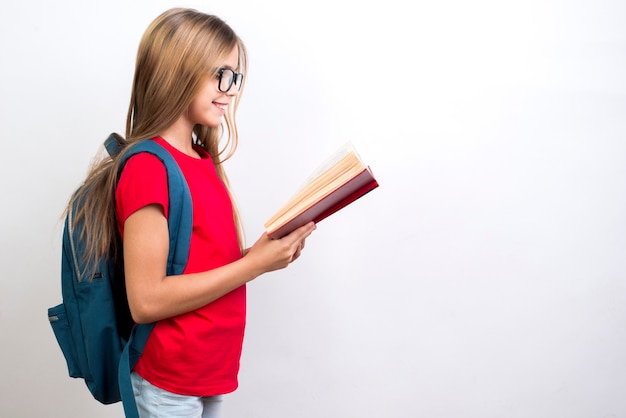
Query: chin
{"type": "Point", "coordinates": [211, 123]}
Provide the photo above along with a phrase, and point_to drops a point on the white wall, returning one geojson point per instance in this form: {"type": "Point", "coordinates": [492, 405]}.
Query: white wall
{"type": "Point", "coordinates": [485, 277]}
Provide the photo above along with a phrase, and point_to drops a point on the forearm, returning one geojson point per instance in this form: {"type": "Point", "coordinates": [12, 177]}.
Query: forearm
{"type": "Point", "coordinates": [153, 296]}
{"type": "Point", "coordinates": [176, 295]}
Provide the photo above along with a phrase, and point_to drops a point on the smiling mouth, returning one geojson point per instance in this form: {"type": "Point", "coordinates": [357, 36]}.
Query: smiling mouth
{"type": "Point", "coordinates": [221, 106]}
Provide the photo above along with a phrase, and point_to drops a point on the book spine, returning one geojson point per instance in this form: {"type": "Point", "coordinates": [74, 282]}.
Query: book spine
{"type": "Point", "coordinates": [347, 200]}
{"type": "Point", "coordinates": [330, 204]}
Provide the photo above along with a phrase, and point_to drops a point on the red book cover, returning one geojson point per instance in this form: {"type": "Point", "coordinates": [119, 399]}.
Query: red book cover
{"type": "Point", "coordinates": [339, 198]}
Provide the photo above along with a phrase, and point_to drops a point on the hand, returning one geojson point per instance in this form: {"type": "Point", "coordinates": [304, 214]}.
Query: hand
{"type": "Point", "coordinates": [275, 254]}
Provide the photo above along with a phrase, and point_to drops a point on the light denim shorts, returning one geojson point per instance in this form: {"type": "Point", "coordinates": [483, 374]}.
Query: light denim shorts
{"type": "Point", "coordinates": [153, 402]}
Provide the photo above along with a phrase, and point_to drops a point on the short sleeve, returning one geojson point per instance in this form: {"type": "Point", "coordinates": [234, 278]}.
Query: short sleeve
{"type": "Point", "coordinates": [143, 182]}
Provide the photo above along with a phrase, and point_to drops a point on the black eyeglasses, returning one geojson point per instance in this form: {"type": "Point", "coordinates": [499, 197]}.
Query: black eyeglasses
{"type": "Point", "coordinates": [226, 78]}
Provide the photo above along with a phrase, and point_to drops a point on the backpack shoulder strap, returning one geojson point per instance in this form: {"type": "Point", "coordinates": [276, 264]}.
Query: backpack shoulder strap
{"type": "Point", "coordinates": [179, 225]}
{"type": "Point", "coordinates": [180, 206]}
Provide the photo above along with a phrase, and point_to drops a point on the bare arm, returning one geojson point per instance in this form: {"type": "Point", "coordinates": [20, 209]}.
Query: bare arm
{"type": "Point", "coordinates": [152, 295]}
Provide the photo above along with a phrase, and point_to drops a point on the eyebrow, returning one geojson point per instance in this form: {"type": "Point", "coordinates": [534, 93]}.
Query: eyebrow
{"type": "Point", "coordinates": [235, 69]}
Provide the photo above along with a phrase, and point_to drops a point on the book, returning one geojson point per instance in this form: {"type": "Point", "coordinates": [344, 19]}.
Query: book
{"type": "Point", "coordinates": [341, 180]}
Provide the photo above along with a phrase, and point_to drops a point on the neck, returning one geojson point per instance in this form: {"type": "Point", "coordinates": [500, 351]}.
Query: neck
{"type": "Point", "coordinates": [179, 135]}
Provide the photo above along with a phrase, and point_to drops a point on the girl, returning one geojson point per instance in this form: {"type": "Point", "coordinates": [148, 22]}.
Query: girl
{"type": "Point", "coordinates": [189, 75]}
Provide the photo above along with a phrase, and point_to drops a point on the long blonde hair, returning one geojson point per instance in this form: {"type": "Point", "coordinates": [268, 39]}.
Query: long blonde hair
{"type": "Point", "coordinates": [177, 54]}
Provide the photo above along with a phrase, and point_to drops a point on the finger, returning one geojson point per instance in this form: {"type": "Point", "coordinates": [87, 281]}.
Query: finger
{"type": "Point", "coordinates": [296, 254]}
{"type": "Point", "coordinates": [295, 235]}
{"type": "Point", "coordinates": [303, 232]}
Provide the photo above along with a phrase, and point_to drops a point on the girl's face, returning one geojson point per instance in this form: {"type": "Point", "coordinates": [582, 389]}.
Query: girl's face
{"type": "Point", "coordinates": [209, 105]}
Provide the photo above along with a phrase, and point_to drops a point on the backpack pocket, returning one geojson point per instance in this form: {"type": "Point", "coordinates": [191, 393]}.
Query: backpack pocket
{"type": "Point", "coordinates": [63, 334]}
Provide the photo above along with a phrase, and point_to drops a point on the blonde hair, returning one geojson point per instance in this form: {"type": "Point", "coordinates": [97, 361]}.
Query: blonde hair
{"type": "Point", "coordinates": [178, 53]}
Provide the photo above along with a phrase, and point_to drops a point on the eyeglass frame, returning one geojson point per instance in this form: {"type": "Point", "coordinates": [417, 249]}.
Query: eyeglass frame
{"type": "Point", "coordinates": [237, 79]}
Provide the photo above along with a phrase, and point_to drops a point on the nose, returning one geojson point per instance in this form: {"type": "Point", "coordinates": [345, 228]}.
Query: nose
{"type": "Point", "coordinates": [232, 91]}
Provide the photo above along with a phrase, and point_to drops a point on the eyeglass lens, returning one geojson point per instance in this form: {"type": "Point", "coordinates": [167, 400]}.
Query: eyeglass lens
{"type": "Point", "coordinates": [227, 78]}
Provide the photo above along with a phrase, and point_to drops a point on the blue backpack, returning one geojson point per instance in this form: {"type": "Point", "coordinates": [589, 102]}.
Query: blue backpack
{"type": "Point", "coordinates": [93, 326]}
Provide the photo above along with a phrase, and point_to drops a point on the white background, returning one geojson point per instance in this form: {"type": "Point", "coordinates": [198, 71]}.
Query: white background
{"type": "Point", "coordinates": [484, 278]}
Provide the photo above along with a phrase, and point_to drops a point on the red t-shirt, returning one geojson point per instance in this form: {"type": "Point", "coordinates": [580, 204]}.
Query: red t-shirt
{"type": "Point", "coordinates": [196, 353]}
